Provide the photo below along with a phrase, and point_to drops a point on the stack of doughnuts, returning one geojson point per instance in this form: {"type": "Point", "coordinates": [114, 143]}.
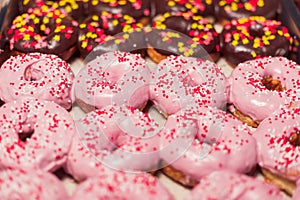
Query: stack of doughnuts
{"type": "Point", "coordinates": [141, 57]}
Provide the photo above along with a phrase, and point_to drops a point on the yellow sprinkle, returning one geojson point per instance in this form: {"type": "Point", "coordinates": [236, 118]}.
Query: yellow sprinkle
{"type": "Point", "coordinates": [95, 17]}
{"type": "Point", "coordinates": [58, 20]}
{"type": "Point", "coordinates": [32, 16]}
{"type": "Point", "coordinates": [248, 6]}
{"type": "Point", "coordinates": [286, 35]}
{"type": "Point", "coordinates": [55, 6]}
{"type": "Point", "coordinates": [37, 37]}
{"type": "Point", "coordinates": [25, 2]}
{"type": "Point", "coordinates": [94, 35]}
{"type": "Point", "coordinates": [68, 9]}
{"type": "Point", "coordinates": [194, 45]}
{"type": "Point", "coordinates": [280, 32]}
{"type": "Point", "coordinates": [115, 22]}
{"type": "Point", "coordinates": [26, 37]}
{"type": "Point", "coordinates": [22, 30]}
{"type": "Point", "coordinates": [94, 2]}
{"type": "Point", "coordinates": [200, 26]}
{"type": "Point", "coordinates": [245, 41]}
{"type": "Point", "coordinates": [117, 41]}
{"type": "Point", "coordinates": [210, 26]}
{"type": "Point", "coordinates": [222, 3]}
{"type": "Point", "coordinates": [56, 38]}
{"type": "Point", "coordinates": [81, 38]}
{"type": "Point", "coordinates": [126, 36]}
{"type": "Point", "coordinates": [50, 14]}
{"type": "Point", "coordinates": [89, 34]}
{"type": "Point", "coordinates": [194, 10]}
{"type": "Point", "coordinates": [180, 44]}
{"type": "Point", "coordinates": [188, 5]}
{"type": "Point", "coordinates": [234, 6]}
{"type": "Point", "coordinates": [268, 33]}
{"type": "Point", "coordinates": [234, 43]}
{"type": "Point", "coordinates": [253, 53]}
{"type": "Point", "coordinates": [84, 44]}
{"type": "Point", "coordinates": [43, 27]}
{"type": "Point", "coordinates": [122, 3]}
{"type": "Point", "coordinates": [236, 36]}
{"type": "Point", "coordinates": [171, 3]}
{"type": "Point", "coordinates": [46, 20]}
{"type": "Point", "coordinates": [260, 3]}
{"type": "Point", "coordinates": [194, 25]}
{"type": "Point", "coordinates": [36, 20]}
{"type": "Point", "coordinates": [196, 39]}
{"type": "Point", "coordinates": [30, 28]}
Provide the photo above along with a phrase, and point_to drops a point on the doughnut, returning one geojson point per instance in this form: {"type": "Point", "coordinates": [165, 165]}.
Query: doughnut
{"type": "Point", "coordinates": [81, 164]}
{"type": "Point", "coordinates": [179, 81]}
{"type": "Point", "coordinates": [199, 7]}
{"type": "Point", "coordinates": [44, 30]}
{"type": "Point", "coordinates": [196, 27]}
{"type": "Point", "coordinates": [97, 29]}
{"type": "Point", "coordinates": [277, 137]}
{"type": "Point", "coordinates": [221, 142]}
{"type": "Point", "coordinates": [122, 186]}
{"type": "Point", "coordinates": [138, 9]}
{"type": "Point", "coordinates": [249, 38]}
{"type": "Point", "coordinates": [259, 87]}
{"type": "Point", "coordinates": [34, 134]}
{"type": "Point", "coordinates": [43, 76]}
{"type": "Point", "coordinates": [113, 78]}
{"type": "Point", "coordinates": [236, 9]}
{"type": "Point", "coordinates": [30, 184]}
{"type": "Point", "coordinates": [233, 186]}
{"type": "Point", "coordinates": [121, 138]}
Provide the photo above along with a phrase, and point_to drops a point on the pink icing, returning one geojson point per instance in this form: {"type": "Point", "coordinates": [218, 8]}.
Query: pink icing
{"type": "Point", "coordinates": [121, 138]}
{"type": "Point", "coordinates": [122, 186]}
{"type": "Point", "coordinates": [43, 76]}
{"type": "Point", "coordinates": [113, 78]}
{"type": "Point", "coordinates": [275, 151]}
{"type": "Point", "coordinates": [222, 142]}
{"type": "Point", "coordinates": [81, 163]}
{"type": "Point", "coordinates": [179, 81]}
{"type": "Point", "coordinates": [230, 185]}
{"type": "Point", "coordinates": [251, 97]}
{"type": "Point", "coordinates": [51, 128]}
{"type": "Point", "coordinates": [20, 184]}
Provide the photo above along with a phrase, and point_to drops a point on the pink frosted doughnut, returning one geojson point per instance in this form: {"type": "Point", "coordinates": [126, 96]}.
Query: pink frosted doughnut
{"type": "Point", "coordinates": [278, 143]}
{"type": "Point", "coordinates": [230, 185]}
{"type": "Point", "coordinates": [113, 78]}
{"type": "Point", "coordinates": [222, 142]}
{"type": "Point", "coordinates": [122, 186]}
{"type": "Point", "coordinates": [251, 96]}
{"type": "Point", "coordinates": [34, 134]}
{"type": "Point", "coordinates": [179, 81]}
{"type": "Point", "coordinates": [42, 76]}
{"type": "Point", "coordinates": [81, 163]}
{"type": "Point", "coordinates": [121, 138]}
{"type": "Point", "coordinates": [29, 185]}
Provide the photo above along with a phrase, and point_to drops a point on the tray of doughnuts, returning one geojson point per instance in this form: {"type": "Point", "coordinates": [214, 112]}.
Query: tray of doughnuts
{"type": "Point", "coordinates": [173, 99]}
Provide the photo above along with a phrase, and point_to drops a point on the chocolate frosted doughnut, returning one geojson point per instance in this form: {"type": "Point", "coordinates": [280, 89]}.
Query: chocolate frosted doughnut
{"type": "Point", "coordinates": [248, 38]}
{"type": "Point", "coordinates": [199, 7]}
{"type": "Point", "coordinates": [197, 29]}
{"type": "Point", "coordinates": [99, 29]}
{"type": "Point", "coordinates": [44, 30]}
{"type": "Point", "coordinates": [235, 9]}
{"type": "Point", "coordinates": [138, 9]}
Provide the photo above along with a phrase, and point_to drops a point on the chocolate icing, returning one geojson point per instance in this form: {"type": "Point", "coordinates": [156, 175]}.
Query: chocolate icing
{"type": "Point", "coordinates": [197, 30]}
{"type": "Point", "coordinates": [198, 7]}
{"type": "Point", "coordinates": [49, 31]}
{"type": "Point", "coordinates": [75, 8]}
{"type": "Point", "coordinates": [266, 38]}
{"type": "Point", "coordinates": [97, 30]}
{"type": "Point", "coordinates": [138, 9]}
{"type": "Point", "coordinates": [245, 8]}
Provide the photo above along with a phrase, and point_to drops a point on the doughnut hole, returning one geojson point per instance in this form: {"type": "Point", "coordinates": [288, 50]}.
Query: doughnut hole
{"type": "Point", "coordinates": [295, 139]}
{"type": "Point", "coordinates": [25, 134]}
{"type": "Point", "coordinates": [272, 84]}
{"type": "Point", "coordinates": [33, 74]}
